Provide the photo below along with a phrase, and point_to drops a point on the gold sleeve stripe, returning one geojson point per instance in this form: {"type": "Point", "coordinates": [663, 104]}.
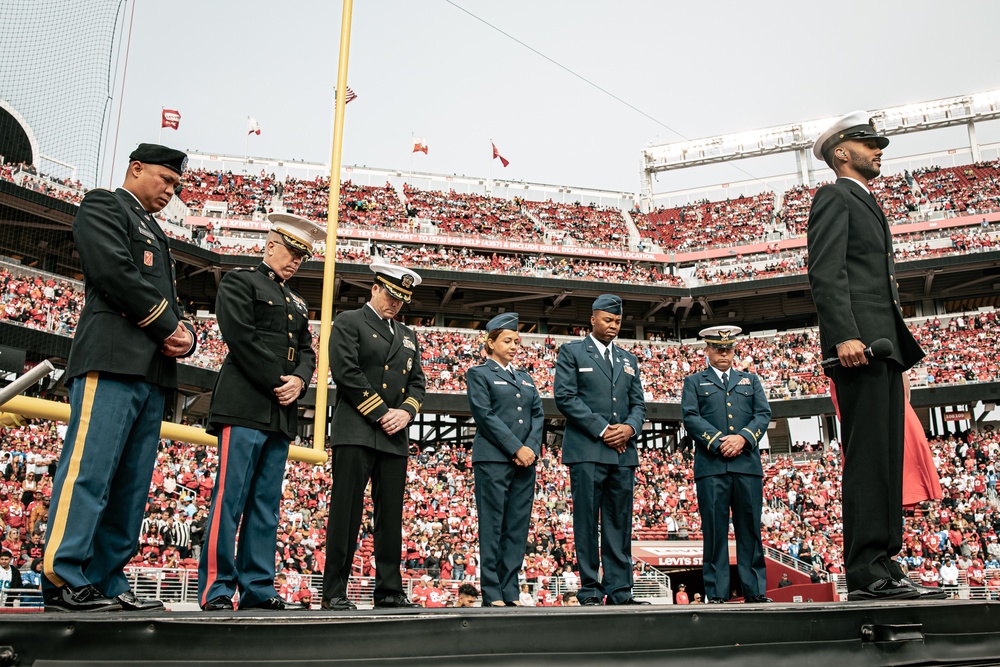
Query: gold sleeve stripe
{"type": "Point", "coordinates": [368, 402]}
{"type": "Point", "coordinates": [58, 528]}
{"type": "Point", "coordinates": [379, 402]}
{"type": "Point", "coordinates": [751, 434]}
{"type": "Point", "coordinates": [156, 313]}
{"type": "Point", "coordinates": [713, 438]}
{"type": "Point", "coordinates": [413, 402]}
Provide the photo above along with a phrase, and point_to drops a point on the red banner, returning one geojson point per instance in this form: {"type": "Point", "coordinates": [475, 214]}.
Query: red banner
{"type": "Point", "coordinates": [171, 119]}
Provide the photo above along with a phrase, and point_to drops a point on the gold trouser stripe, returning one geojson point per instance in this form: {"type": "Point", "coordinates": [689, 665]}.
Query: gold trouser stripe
{"type": "Point", "coordinates": [66, 491]}
{"type": "Point", "coordinates": [369, 402]}
{"type": "Point", "coordinates": [156, 313]}
{"type": "Point", "coordinates": [373, 406]}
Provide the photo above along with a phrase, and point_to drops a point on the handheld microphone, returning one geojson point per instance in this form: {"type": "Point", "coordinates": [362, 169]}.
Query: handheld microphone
{"type": "Point", "coordinates": [879, 349]}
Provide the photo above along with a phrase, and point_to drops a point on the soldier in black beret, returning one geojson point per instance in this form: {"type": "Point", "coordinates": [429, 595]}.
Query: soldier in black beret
{"type": "Point", "coordinates": [122, 365]}
{"type": "Point", "coordinates": [254, 412]}
{"type": "Point", "coordinates": [375, 362]}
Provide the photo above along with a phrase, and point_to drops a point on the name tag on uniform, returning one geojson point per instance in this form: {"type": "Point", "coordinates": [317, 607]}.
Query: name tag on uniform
{"type": "Point", "coordinates": [408, 344]}
{"type": "Point", "coordinates": [500, 382]}
{"type": "Point", "coordinates": [145, 231]}
{"type": "Point", "coordinates": [706, 384]}
{"type": "Point", "coordinates": [525, 383]}
{"type": "Point", "coordinates": [628, 370]}
{"type": "Point", "coordinates": [744, 381]}
{"type": "Point", "coordinates": [585, 370]}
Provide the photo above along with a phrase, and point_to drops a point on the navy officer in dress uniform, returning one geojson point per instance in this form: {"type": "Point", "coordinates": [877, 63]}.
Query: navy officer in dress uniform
{"type": "Point", "coordinates": [375, 363]}
{"type": "Point", "coordinates": [598, 389]}
{"type": "Point", "coordinates": [509, 418]}
{"type": "Point", "coordinates": [726, 412]}
{"type": "Point", "coordinates": [852, 277]}
{"type": "Point", "coordinates": [255, 414]}
{"type": "Point", "coordinates": [122, 364]}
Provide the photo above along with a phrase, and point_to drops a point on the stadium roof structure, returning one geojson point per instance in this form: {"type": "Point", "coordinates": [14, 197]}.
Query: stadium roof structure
{"type": "Point", "coordinates": [799, 137]}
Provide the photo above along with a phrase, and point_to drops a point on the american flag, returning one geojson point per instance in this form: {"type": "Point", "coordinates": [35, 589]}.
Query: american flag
{"type": "Point", "coordinates": [351, 95]}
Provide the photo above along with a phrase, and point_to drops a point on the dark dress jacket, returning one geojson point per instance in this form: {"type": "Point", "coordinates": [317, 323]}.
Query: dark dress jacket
{"type": "Point", "coordinates": [266, 326]}
{"type": "Point", "coordinates": [131, 302]}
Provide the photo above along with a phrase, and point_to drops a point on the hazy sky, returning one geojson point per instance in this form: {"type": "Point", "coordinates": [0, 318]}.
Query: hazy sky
{"type": "Point", "coordinates": [430, 69]}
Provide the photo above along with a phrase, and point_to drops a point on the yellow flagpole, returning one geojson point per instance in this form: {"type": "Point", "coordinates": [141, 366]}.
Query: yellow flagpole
{"type": "Point", "coordinates": [333, 209]}
{"type": "Point", "coordinates": [39, 408]}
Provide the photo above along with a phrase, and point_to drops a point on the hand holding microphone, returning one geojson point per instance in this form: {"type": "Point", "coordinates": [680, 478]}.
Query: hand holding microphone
{"type": "Point", "coordinates": [853, 353]}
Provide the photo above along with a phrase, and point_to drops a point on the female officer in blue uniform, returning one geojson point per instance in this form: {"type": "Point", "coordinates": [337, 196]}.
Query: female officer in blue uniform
{"type": "Point", "coordinates": [508, 412]}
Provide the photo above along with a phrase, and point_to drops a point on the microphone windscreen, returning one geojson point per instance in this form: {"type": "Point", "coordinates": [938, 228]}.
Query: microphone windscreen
{"type": "Point", "coordinates": [881, 348]}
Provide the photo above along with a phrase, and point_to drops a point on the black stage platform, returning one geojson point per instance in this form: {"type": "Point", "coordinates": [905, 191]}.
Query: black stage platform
{"type": "Point", "coordinates": [846, 634]}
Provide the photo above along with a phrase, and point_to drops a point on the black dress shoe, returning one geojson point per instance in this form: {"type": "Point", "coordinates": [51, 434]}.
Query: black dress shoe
{"type": "Point", "coordinates": [716, 601]}
{"type": "Point", "coordinates": [756, 599]}
{"type": "Point", "coordinates": [398, 601]}
{"type": "Point", "coordinates": [629, 601]}
{"type": "Point", "coordinates": [130, 602]}
{"type": "Point", "coordinates": [218, 603]}
{"type": "Point", "coordinates": [274, 603]}
{"type": "Point", "coordinates": [338, 604]}
{"type": "Point", "coordinates": [84, 598]}
{"type": "Point", "coordinates": [591, 602]}
{"type": "Point", "coordinates": [884, 589]}
{"type": "Point", "coordinates": [926, 592]}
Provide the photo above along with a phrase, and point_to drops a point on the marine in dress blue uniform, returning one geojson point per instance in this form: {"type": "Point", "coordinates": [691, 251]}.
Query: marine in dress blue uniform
{"type": "Point", "coordinates": [507, 409]}
{"type": "Point", "coordinates": [598, 389]}
{"type": "Point", "coordinates": [255, 413]}
{"type": "Point", "coordinates": [852, 277]}
{"type": "Point", "coordinates": [122, 363]}
{"type": "Point", "coordinates": [726, 413]}
{"type": "Point", "coordinates": [375, 363]}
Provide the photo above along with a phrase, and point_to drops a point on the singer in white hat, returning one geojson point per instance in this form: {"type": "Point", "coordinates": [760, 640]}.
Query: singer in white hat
{"type": "Point", "coordinates": [853, 281]}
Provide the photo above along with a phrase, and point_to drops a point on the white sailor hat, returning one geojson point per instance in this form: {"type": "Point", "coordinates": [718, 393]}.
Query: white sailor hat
{"type": "Point", "coordinates": [398, 281]}
{"type": "Point", "coordinates": [855, 125]}
{"type": "Point", "coordinates": [720, 336]}
{"type": "Point", "coordinates": [297, 232]}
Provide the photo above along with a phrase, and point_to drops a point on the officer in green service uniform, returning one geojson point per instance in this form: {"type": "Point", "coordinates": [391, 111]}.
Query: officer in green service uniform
{"type": "Point", "coordinates": [375, 362]}
{"type": "Point", "coordinates": [255, 413]}
{"type": "Point", "coordinates": [122, 364]}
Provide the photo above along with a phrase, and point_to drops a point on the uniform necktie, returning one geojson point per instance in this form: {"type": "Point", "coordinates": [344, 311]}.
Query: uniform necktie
{"type": "Point", "coordinates": [388, 323]}
{"type": "Point", "coordinates": [607, 361]}
{"type": "Point", "coordinates": [725, 379]}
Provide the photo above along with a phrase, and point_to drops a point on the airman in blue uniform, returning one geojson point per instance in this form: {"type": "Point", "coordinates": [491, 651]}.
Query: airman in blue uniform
{"type": "Point", "coordinates": [725, 411]}
{"type": "Point", "coordinates": [598, 389]}
{"type": "Point", "coordinates": [509, 418]}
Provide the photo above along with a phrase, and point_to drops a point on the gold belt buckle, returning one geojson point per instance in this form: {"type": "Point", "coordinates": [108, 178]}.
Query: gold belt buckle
{"type": "Point", "coordinates": [291, 354]}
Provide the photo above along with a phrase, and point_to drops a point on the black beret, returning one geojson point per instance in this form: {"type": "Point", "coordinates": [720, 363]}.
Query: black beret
{"type": "Point", "coordinates": [170, 158]}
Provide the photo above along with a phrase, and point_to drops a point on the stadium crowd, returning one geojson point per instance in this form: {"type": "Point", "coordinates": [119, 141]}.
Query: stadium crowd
{"type": "Point", "coordinates": [963, 349]}
{"type": "Point", "coordinates": [801, 517]}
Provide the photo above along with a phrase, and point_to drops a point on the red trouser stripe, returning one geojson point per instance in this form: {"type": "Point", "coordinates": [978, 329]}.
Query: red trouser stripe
{"type": "Point", "coordinates": [217, 499]}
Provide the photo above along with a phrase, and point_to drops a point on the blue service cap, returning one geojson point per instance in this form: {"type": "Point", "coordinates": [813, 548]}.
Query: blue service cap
{"type": "Point", "coordinates": [502, 321]}
{"type": "Point", "coordinates": [609, 303]}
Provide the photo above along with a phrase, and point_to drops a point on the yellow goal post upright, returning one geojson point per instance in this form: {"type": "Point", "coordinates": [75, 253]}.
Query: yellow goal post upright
{"type": "Point", "coordinates": [329, 266]}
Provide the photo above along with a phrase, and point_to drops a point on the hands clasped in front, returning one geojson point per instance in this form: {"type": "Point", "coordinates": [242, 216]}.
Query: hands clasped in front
{"type": "Point", "coordinates": [524, 457]}
{"type": "Point", "coordinates": [394, 421]}
{"type": "Point", "coordinates": [290, 391]}
{"type": "Point", "coordinates": [732, 445]}
{"type": "Point", "coordinates": [616, 436]}
{"type": "Point", "coordinates": [178, 343]}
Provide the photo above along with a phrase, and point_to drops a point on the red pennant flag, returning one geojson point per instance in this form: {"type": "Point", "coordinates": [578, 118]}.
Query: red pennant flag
{"type": "Point", "coordinates": [420, 146]}
{"type": "Point", "coordinates": [349, 97]}
{"type": "Point", "coordinates": [171, 119]}
{"type": "Point", "coordinates": [496, 154]}
{"type": "Point", "coordinates": [253, 127]}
